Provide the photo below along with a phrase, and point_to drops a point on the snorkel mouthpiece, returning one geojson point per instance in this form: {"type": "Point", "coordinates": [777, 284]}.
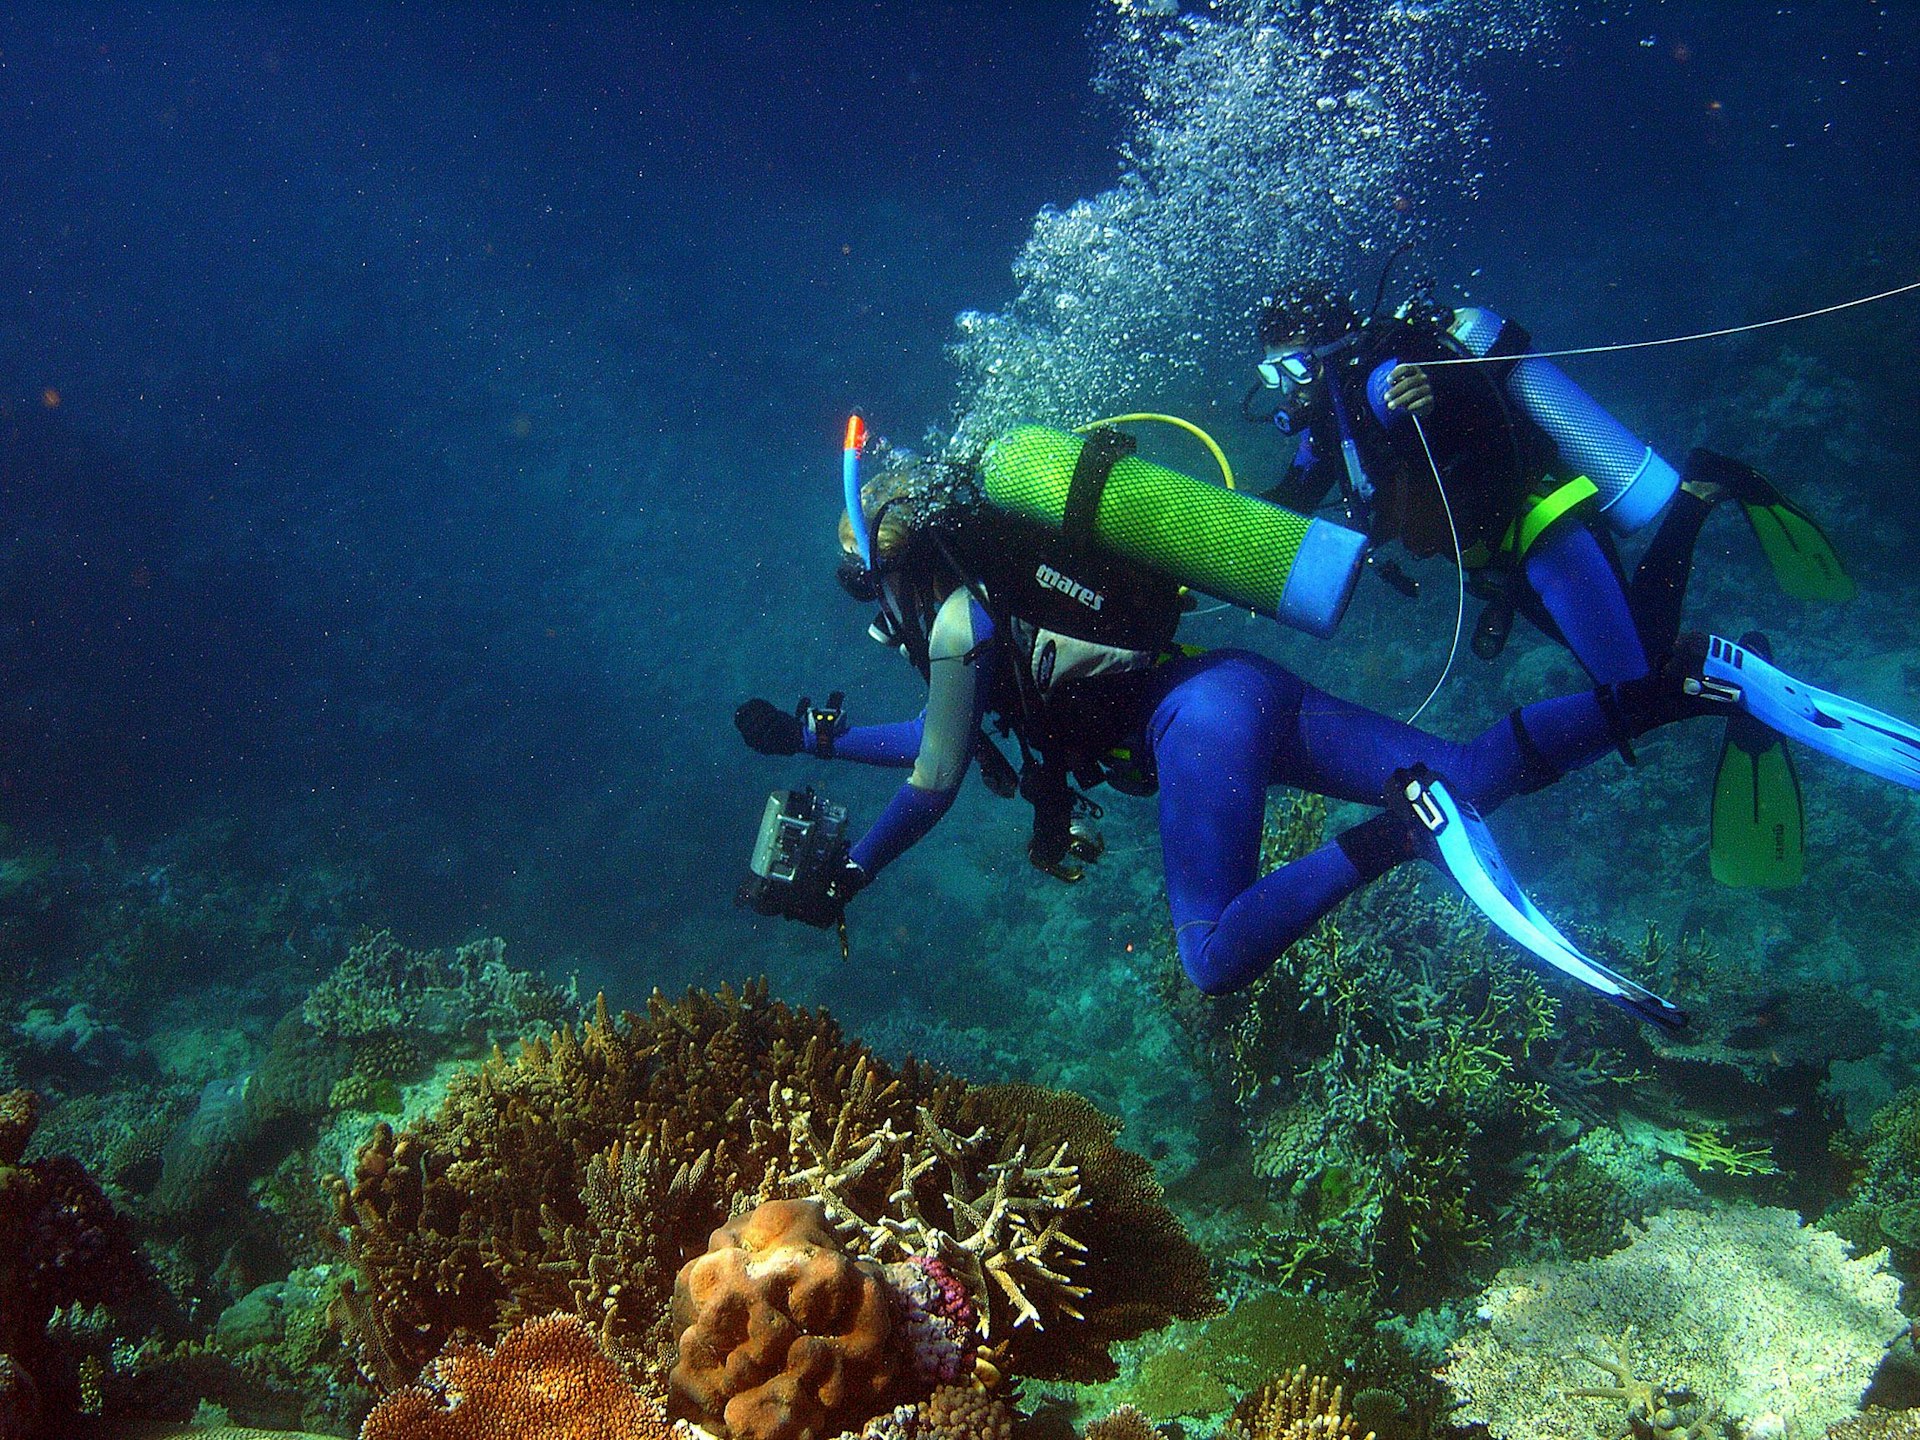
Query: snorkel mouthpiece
{"type": "Point", "coordinates": [856, 441]}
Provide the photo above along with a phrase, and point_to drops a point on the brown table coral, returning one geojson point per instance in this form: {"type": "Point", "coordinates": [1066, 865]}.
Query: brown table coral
{"type": "Point", "coordinates": [782, 1334]}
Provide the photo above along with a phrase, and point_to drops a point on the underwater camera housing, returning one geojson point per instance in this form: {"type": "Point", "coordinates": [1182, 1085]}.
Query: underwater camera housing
{"type": "Point", "coordinates": [801, 849]}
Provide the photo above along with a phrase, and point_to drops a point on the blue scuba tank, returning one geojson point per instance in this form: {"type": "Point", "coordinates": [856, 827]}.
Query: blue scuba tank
{"type": "Point", "coordinates": [1635, 484]}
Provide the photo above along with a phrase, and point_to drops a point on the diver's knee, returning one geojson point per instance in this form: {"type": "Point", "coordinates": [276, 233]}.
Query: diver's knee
{"type": "Point", "coordinates": [1194, 941]}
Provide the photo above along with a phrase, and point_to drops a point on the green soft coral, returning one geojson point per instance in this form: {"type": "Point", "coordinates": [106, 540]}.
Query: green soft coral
{"type": "Point", "coordinates": [1384, 1070]}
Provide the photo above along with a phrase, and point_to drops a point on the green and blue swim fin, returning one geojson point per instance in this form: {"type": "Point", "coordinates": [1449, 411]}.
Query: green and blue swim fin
{"type": "Point", "coordinates": [1759, 830]}
{"type": "Point", "coordinates": [1803, 558]}
{"type": "Point", "coordinates": [1759, 825]}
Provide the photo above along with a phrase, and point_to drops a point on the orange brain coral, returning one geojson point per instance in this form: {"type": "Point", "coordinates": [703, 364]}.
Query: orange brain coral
{"type": "Point", "coordinates": [782, 1334]}
{"type": "Point", "coordinates": [546, 1380]}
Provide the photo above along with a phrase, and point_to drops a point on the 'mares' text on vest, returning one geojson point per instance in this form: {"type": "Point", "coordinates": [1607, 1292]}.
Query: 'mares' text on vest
{"type": "Point", "coordinates": [1054, 580]}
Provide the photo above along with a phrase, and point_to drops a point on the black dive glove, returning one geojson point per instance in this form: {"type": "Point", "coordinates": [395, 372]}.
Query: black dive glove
{"type": "Point", "coordinates": [769, 729]}
{"type": "Point", "coordinates": [824, 903]}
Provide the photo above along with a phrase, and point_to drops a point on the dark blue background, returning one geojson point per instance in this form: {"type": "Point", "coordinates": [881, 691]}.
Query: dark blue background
{"type": "Point", "coordinates": [447, 403]}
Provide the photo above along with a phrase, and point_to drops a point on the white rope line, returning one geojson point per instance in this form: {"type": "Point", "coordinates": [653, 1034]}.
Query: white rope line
{"type": "Point", "coordinates": [1459, 571]}
{"type": "Point", "coordinates": [1460, 606]}
{"type": "Point", "coordinates": [1679, 339]}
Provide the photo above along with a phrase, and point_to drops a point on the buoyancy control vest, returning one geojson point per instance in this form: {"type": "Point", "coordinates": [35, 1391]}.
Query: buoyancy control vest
{"type": "Point", "coordinates": [1072, 620]}
{"type": "Point", "coordinates": [1489, 454]}
{"type": "Point", "coordinates": [1077, 633]}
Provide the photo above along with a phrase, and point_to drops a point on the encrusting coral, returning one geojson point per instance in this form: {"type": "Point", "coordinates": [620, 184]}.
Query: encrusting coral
{"type": "Point", "coordinates": [546, 1380]}
{"type": "Point", "coordinates": [1742, 1308]}
{"type": "Point", "coordinates": [781, 1333]}
{"type": "Point", "coordinates": [1652, 1412]}
{"type": "Point", "coordinates": [579, 1176]}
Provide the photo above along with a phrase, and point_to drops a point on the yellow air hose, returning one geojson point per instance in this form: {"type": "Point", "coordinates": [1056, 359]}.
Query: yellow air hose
{"type": "Point", "coordinates": [1213, 448]}
{"type": "Point", "coordinates": [1219, 455]}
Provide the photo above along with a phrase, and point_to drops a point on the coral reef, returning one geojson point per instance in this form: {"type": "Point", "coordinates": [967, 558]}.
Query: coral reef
{"type": "Point", "coordinates": [578, 1176]}
{"type": "Point", "coordinates": [1294, 1407]}
{"type": "Point", "coordinates": [119, 1133]}
{"type": "Point", "coordinates": [937, 1317]}
{"type": "Point", "coordinates": [1744, 1308]}
{"type": "Point", "coordinates": [1651, 1411]}
{"type": "Point", "coordinates": [1581, 1200]}
{"type": "Point", "coordinates": [1193, 1373]}
{"type": "Point", "coordinates": [547, 1379]}
{"type": "Point", "coordinates": [1883, 1203]}
{"type": "Point", "coordinates": [1123, 1422]}
{"type": "Point", "coordinates": [1392, 1074]}
{"type": "Point", "coordinates": [965, 1412]}
{"type": "Point", "coordinates": [782, 1335]}
{"type": "Point", "coordinates": [383, 991]}
{"type": "Point", "coordinates": [1876, 1423]}
{"type": "Point", "coordinates": [61, 1244]}
{"type": "Point", "coordinates": [204, 1147]}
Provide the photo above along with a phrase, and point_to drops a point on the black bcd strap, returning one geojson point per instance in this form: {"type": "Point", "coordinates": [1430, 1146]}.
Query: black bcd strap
{"type": "Point", "coordinates": [1103, 450]}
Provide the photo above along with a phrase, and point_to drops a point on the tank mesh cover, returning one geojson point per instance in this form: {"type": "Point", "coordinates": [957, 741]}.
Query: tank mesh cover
{"type": "Point", "coordinates": [1220, 542]}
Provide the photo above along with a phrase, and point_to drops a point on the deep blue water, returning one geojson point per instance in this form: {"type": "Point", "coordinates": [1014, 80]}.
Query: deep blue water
{"type": "Point", "coordinates": [419, 425]}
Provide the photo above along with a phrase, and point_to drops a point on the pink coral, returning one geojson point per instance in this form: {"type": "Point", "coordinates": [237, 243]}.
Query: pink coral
{"type": "Point", "coordinates": [937, 1317]}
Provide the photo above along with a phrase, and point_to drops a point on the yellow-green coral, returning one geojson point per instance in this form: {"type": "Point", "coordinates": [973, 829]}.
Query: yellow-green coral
{"type": "Point", "coordinates": [1706, 1150]}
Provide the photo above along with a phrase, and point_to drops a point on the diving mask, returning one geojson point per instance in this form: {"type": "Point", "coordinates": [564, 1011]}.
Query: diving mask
{"type": "Point", "coordinates": [1286, 368]}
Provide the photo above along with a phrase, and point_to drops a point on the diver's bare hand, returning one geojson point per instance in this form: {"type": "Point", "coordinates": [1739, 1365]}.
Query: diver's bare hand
{"type": "Point", "coordinates": [1409, 389]}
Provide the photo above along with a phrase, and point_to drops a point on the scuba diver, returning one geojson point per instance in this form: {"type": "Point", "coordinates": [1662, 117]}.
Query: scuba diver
{"type": "Point", "coordinates": [1068, 645]}
{"type": "Point", "coordinates": [1512, 470]}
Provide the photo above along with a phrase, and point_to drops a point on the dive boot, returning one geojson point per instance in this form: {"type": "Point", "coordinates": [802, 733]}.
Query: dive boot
{"type": "Point", "coordinates": [1457, 839]}
{"type": "Point", "coordinates": [1803, 558]}
{"type": "Point", "coordinates": [1759, 827]}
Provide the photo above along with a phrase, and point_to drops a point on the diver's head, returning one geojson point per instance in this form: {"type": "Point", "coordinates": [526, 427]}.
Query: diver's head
{"type": "Point", "coordinates": [1298, 329]}
{"type": "Point", "coordinates": [900, 505]}
{"type": "Point", "coordinates": [1309, 312]}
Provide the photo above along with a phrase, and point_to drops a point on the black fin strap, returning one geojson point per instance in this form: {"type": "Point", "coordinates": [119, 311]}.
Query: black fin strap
{"type": "Point", "coordinates": [1607, 697]}
{"type": "Point", "coordinates": [1536, 770]}
{"type": "Point", "coordinates": [1375, 846]}
{"type": "Point", "coordinates": [1102, 451]}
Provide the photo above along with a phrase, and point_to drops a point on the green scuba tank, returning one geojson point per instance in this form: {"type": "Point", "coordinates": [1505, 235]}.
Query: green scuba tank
{"type": "Point", "coordinates": [1223, 543]}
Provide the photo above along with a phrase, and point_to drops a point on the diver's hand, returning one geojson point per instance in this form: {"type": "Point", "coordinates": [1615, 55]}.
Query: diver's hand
{"type": "Point", "coordinates": [1409, 389]}
{"type": "Point", "coordinates": [824, 905]}
{"type": "Point", "coordinates": [769, 729]}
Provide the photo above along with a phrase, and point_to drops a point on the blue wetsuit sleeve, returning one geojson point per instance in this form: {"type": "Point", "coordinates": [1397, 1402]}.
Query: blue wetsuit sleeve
{"type": "Point", "coordinates": [892, 746]}
{"type": "Point", "coordinates": [908, 817]}
{"type": "Point", "coordinates": [957, 687]}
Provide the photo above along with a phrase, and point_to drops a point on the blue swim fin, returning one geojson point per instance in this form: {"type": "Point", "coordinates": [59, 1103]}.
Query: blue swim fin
{"type": "Point", "coordinates": [1465, 849]}
{"type": "Point", "coordinates": [1859, 735]}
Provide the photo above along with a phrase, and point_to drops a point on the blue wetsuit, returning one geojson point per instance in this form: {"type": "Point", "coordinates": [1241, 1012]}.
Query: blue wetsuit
{"type": "Point", "coordinates": [1224, 727]}
{"type": "Point", "coordinates": [1573, 588]}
